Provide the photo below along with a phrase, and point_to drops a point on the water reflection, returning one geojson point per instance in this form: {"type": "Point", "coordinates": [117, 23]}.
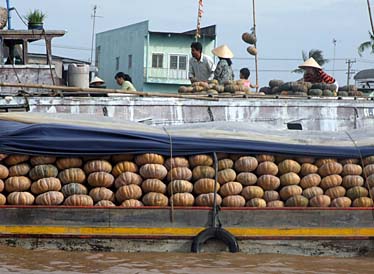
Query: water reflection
{"type": "Point", "coordinates": [18, 260]}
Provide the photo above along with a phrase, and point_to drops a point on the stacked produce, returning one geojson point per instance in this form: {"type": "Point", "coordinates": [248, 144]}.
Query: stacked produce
{"type": "Point", "coordinates": [153, 180]}
{"type": "Point", "coordinates": [213, 87]}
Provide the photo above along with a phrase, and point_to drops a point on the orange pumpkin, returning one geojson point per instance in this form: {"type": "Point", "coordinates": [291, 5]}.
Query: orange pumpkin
{"type": "Point", "coordinates": [200, 172]}
{"type": "Point", "coordinates": [97, 166]}
{"type": "Point", "coordinates": [65, 163]}
{"type": "Point", "coordinates": [200, 160]}
{"type": "Point", "coordinates": [369, 160]}
{"type": "Point", "coordinates": [297, 201]}
{"type": "Point", "coordinates": [19, 170]}
{"type": "Point", "coordinates": [149, 158]}
{"type": "Point", "coordinates": [246, 164]}
{"type": "Point", "coordinates": [128, 178]}
{"type": "Point", "coordinates": [268, 182]}
{"type": "Point", "coordinates": [322, 161]}
{"type": "Point", "coordinates": [231, 188]}
{"type": "Point", "coordinates": [331, 181]}
{"type": "Point", "coordinates": [17, 184]}
{"type": "Point", "coordinates": [105, 203]}
{"type": "Point", "coordinates": [132, 203]}
{"type": "Point", "coordinates": [12, 160]}
{"type": "Point", "coordinates": [50, 198]}
{"type": "Point", "coordinates": [290, 178]}
{"type": "Point", "coordinates": [179, 173]}
{"type": "Point", "coordinates": [121, 157]}
{"type": "Point", "coordinates": [265, 158]}
{"type": "Point", "coordinates": [176, 162]}
{"type": "Point", "coordinates": [312, 191]}
{"type": "Point", "coordinates": [370, 181]}
{"type": "Point", "coordinates": [256, 202]}
{"type": "Point", "coordinates": [275, 204]}
{"type": "Point", "coordinates": [363, 202]}
{"type": "Point", "coordinates": [267, 167]}
{"type": "Point", "coordinates": [42, 160]}
{"type": "Point", "coordinates": [330, 168]}
{"type": "Point", "coordinates": [4, 172]}
{"type": "Point", "coordinates": [155, 199]}
{"type": "Point", "coordinates": [45, 185]}
{"type": "Point", "coordinates": [226, 175]}
{"type": "Point", "coordinates": [180, 186]}
{"type": "Point", "coordinates": [72, 175]}
{"type": "Point", "coordinates": [271, 195]}
{"type": "Point", "coordinates": [233, 201]}
{"type": "Point", "coordinates": [369, 170]}
{"type": "Point", "coordinates": [349, 161]}
{"type": "Point", "coordinates": [305, 160]}
{"type": "Point", "coordinates": [289, 165]}
{"type": "Point", "coordinates": [205, 185]}
{"type": "Point", "coordinates": [335, 192]}
{"type": "Point", "coordinates": [101, 193]}
{"type": "Point", "coordinates": [124, 166]}
{"type": "Point", "coordinates": [20, 198]}
{"type": "Point", "coordinates": [289, 191]}
{"type": "Point", "coordinates": [43, 171]}
{"type": "Point", "coordinates": [74, 189]}
{"type": "Point", "coordinates": [246, 178]}
{"type": "Point", "coordinates": [2, 199]}
{"type": "Point", "coordinates": [208, 199]}
{"type": "Point", "coordinates": [1, 185]}
{"type": "Point", "coordinates": [128, 192]}
{"type": "Point", "coordinates": [307, 169]}
{"type": "Point", "coordinates": [250, 192]}
{"type": "Point", "coordinates": [153, 185]}
{"type": "Point", "coordinates": [225, 164]}
{"type": "Point", "coordinates": [341, 202]}
{"type": "Point", "coordinates": [310, 180]}
{"type": "Point", "coordinates": [320, 201]}
{"type": "Point", "coordinates": [153, 171]}
{"type": "Point", "coordinates": [182, 199]}
{"type": "Point", "coordinates": [351, 169]}
{"type": "Point", "coordinates": [350, 181]}
{"type": "Point", "coordinates": [78, 200]}
{"type": "Point", "coordinates": [100, 179]}
{"type": "Point", "coordinates": [357, 192]}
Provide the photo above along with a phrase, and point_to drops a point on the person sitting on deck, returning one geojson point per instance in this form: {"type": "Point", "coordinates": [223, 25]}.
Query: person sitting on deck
{"type": "Point", "coordinates": [223, 70]}
{"type": "Point", "coordinates": [244, 76]}
{"type": "Point", "coordinates": [125, 81]}
{"type": "Point", "coordinates": [97, 82]}
{"type": "Point", "coordinates": [314, 73]}
{"type": "Point", "coordinates": [201, 66]}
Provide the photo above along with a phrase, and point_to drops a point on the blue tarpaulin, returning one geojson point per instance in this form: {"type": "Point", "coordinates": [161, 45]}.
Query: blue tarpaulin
{"type": "Point", "coordinates": [38, 135]}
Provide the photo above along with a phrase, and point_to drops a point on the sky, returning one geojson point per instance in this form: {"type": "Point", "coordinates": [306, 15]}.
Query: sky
{"type": "Point", "coordinates": [284, 29]}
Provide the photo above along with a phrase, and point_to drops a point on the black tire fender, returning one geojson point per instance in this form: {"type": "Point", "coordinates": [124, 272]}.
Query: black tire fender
{"type": "Point", "coordinates": [215, 233]}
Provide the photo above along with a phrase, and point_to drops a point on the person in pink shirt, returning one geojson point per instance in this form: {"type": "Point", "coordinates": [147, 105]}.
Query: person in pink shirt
{"type": "Point", "coordinates": [244, 76]}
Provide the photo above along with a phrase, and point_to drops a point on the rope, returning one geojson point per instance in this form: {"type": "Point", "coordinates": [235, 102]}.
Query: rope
{"type": "Point", "coordinates": [171, 175]}
{"type": "Point", "coordinates": [216, 209]}
{"type": "Point", "coordinates": [363, 169]}
{"type": "Point", "coordinates": [48, 54]}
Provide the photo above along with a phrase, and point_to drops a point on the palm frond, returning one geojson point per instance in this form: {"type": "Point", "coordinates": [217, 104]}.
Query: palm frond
{"type": "Point", "coordinates": [364, 46]}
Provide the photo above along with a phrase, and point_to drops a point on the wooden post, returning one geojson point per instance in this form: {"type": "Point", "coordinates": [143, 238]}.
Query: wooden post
{"type": "Point", "coordinates": [255, 34]}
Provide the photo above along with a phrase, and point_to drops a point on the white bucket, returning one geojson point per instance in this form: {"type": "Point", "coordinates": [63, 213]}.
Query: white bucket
{"type": "Point", "coordinates": [78, 75]}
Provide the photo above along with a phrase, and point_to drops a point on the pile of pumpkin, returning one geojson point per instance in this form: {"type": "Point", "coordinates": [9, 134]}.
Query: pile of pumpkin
{"type": "Point", "coordinates": [212, 87]}
{"type": "Point", "coordinates": [153, 180]}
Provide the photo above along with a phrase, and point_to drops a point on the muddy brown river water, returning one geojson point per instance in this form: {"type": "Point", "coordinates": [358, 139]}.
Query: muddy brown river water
{"type": "Point", "coordinates": [18, 260]}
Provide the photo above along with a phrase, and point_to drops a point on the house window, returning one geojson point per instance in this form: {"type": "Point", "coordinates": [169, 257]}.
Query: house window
{"type": "Point", "coordinates": [130, 61]}
{"type": "Point", "coordinates": [117, 63]}
{"type": "Point", "coordinates": [157, 60]}
{"type": "Point", "coordinates": [178, 62]}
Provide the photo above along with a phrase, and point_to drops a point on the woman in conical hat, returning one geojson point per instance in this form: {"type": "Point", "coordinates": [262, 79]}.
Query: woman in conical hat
{"type": "Point", "coordinates": [314, 73]}
{"type": "Point", "coordinates": [97, 82]}
{"type": "Point", "coordinates": [224, 71]}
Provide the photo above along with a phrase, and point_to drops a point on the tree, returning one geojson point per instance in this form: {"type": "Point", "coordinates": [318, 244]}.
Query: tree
{"type": "Point", "coordinates": [317, 55]}
{"type": "Point", "coordinates": [367, 45]}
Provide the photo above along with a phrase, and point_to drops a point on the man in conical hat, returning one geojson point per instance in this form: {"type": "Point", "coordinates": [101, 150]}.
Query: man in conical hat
{"type": "Point", "coordinates": [314, 73]}
{"type": "Point", "coordinates": [97, 82]}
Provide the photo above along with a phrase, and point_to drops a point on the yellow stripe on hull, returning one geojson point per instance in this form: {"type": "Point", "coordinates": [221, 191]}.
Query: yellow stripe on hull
{"type": "Point", "coordinates": [184, 232]}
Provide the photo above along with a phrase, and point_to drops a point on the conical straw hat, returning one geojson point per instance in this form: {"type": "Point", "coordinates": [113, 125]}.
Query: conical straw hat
{"type": "Point", "coordinates": [310, 63]}
{"type": "Point", "coordinates": [223, 52]}
{"type": "Point", "coordinates": [97, 80]}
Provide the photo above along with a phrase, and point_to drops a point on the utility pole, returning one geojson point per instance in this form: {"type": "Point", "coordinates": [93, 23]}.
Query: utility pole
{"type": "Point", "coordinates": [370, 17]}
{"type": "Point", "coordinates": [334, 55]}
{"type": "Point", "coordinates": [9, 8]}
{"type": "Point", "coordinates": [255, 34]}
{"type": "Point", "coordinates": [94, 16]}
{"type": "Point", "coordinates": [349, 62]}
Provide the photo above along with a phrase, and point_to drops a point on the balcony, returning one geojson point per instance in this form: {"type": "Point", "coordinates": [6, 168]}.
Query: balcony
{"type": "Point", "coordinates": [166, 76]}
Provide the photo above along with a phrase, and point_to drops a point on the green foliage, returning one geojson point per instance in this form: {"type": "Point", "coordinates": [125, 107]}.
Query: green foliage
{"type": "Point", "coordinates": [317, 55]}
{"type": "Point", "coordinates": [368, 45]}
{"type": "Point", "coordinates": [35, 17]}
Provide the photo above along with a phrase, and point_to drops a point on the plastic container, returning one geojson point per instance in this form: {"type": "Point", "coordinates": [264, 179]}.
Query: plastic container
{"type": "Point", "coordinates": [78, 75]}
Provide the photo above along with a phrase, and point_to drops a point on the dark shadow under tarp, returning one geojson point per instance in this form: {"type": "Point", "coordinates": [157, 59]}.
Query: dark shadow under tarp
{"type": "Point", "coordinates": [80, 135]}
